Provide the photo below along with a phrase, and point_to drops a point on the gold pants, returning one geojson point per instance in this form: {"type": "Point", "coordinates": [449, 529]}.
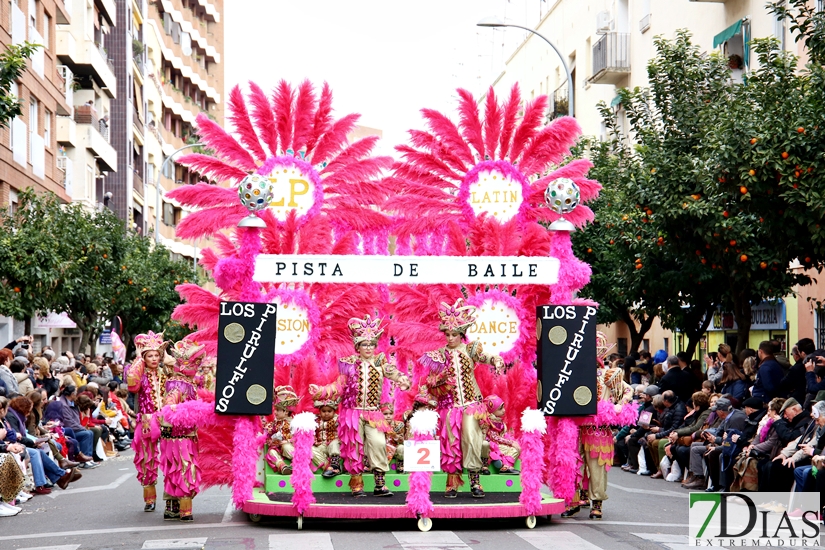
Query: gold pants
{"type": "Point", "coordinates": [597, 478]}
{"type": "Point", "coordinates": [472, 440]}
{"type": "Point", "coordinates": [504, 450]}
{"type": "Point", "coordinates": [375, 446]}
{"type": "Point", "coordinates": [320, 453]}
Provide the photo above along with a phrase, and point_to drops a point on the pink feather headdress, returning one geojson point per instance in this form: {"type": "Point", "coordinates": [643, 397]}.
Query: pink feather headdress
{"type": "Point", "coordinates": [150, 342]}
{"type": "Point", "coordinates": [188, 357]}
{"type": "Point", "coordinates": [456, 317]}
{"type": "Point", "coordinates": [365, 330]}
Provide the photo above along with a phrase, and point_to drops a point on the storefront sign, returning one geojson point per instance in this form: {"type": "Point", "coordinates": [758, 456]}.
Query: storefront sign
{"type": "Point", "coordinates": [566, 360]}
{"type": "Point", "coordinates": [765, 316]}
{"type": "Point", "coordinates": [489, 270]}
{"type": "Point", "coordinates": [246, 358]}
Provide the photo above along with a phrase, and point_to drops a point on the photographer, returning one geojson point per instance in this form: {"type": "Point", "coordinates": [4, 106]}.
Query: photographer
{"type": "Point", "coordinates": [814, 374]}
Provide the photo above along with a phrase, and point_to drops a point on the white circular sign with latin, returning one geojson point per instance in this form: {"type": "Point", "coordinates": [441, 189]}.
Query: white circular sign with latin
{"type": "Point", "coordinates": [497, 326]}
{"type": "Point", "coordinates": [495, 194]}
{"type": "Point", "coordinates": [292, 328]}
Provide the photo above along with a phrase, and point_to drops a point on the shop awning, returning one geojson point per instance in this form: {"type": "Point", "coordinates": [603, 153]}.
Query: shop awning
{"type": "Point", "coordinates": [727, 34]}
{"type": "Point", "coordinates": [616, 101]}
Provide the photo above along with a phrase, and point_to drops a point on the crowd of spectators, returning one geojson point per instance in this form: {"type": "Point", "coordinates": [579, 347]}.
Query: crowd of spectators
{"type": "Point", "coordinates": [747, 422]}
{"type": "Point", "coordinates": [58, 415]}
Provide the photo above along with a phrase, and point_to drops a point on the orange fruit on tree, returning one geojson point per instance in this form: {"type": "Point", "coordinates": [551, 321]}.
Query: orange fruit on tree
{"type": "Point", "coordinates": [763, 265]}
{"type": "Point", "coordinates": [725, 214]}
{"type": "Point", "coordinates": [752, 172]}
{"type": "Point", "coordinates": [611, 241]}
{"type": "Point", "coordinates": [589, 250]}
{"type": "Point", "coordinates": [807, 259]}
{"type": "Point", "coordinates": [743, 258]}
{"type": "Point", "coordinates": [785, 155]}
{"type": "Point", "coordinates": [638, 266]}
{"type": "Point", "coordinates": [801, 130]}
{"type": "Point", "coordinates": [743, 190]}
{"type": "Point", "coordinates": [753, 141]}
{"type": "Point", "coordinates": [704, 261]}
{"type": "Point", "coordinates": [17, 289]}
{"type": "Point", "coordinates": [733, 242]}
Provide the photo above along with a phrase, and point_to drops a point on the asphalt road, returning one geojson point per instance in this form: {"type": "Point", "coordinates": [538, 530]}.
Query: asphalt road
{"type": "Point", "coordinates": [104, 510]}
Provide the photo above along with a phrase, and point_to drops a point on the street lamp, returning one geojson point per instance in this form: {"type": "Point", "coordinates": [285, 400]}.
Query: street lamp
{"type": "Point", "coordinates": [494, 21]}
{"type": "Point", "coordinates": [158, 187]}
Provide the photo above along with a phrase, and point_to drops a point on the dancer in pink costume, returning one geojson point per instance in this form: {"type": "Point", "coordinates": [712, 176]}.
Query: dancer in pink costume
{"type": "Point", "coordinates": [362, 427]}
{"type": "Point", "coordinates": [278, 433]}
{"type": "Point", "coordinates": [500, 444]}
{"type": "Point", "coordinates": [179, 439]}
{"type": "Point", "coordinates": [147, 380]}
{"type": "Point", "coordinates": [614, 398]}
{"type": "Point", "coordinates": [452, 379]}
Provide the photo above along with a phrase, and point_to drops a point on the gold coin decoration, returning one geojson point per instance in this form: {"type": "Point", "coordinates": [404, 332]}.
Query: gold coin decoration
{"type": "Point", "coordinates": [234, 332]}
{"type": "Point", "coordinates": [582, 395]}
{"type": "Point", "coordinates": [557, 335]}
{"type": "Point", "coordinates": [256, 394]}
{"type": "Point", "coordinates": [538, 329]}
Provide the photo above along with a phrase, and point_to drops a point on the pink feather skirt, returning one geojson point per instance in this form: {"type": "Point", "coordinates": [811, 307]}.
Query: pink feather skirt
{"type": "Point", "coordinates": [597, 442]}
{"type": "Point", "coordinates": [352, 445]}
{"type": "Point", "coordinates": [179, 463]}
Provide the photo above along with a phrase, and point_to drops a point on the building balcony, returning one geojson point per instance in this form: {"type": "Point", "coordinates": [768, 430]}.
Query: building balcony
{"type": "Point", "coordinates": [137, 183]}
{"type": "Point", "coordinates": [108, 10]}
{"type": "Point", "coordinates": [611, 58]}
{"type": "Point", "coordinates": [561, 102]}
{"type": "Point", "coordinates": [66, 131]}
{"type": "Point", "coordinates": [86, 58]}
{"type": "Point", "coordinates": [63, 13]}
{"type": "Point", "coordinates": [96, 134]}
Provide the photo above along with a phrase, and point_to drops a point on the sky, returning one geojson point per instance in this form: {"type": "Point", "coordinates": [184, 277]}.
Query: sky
{"type": "Point", "coordinates": [384, 59]}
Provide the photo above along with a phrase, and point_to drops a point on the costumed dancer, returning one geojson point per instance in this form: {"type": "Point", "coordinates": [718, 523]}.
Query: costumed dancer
{"type": "Point", "coordinates": [596, 440]}
{"type": "Point", "coordinates": [360, 384]}
{"type": "Point", "coordinates": [452, 380]}
{"type": "Point", "coordinates": [395, 437]}
{"type": "Point", "coordinates": [326, 451]}
{"type": "Point", "coordinates": [278, 433]}
{"type": "Point", "coordinates": [179, 440]}
{"type": "Point", "coordinates": [499, 443]}
{"type": "Point", "coordinates": [147, 380]}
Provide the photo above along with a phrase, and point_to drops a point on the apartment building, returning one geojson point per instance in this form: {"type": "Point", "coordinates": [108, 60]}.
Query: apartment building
{"type": "Point", "coordinates": [184, 77]}
{"type": "Point", "coordinates": [29, 152]}
{"type": "Point", "coordinates": [606, 45]}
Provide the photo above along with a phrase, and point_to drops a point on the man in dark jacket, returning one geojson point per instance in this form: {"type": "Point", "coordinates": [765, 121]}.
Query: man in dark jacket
{"type": "Point", "coordinates": [794, 383]}
{"type": "Point", "coordinates": [678, 377]}
{"type": "Point", "coordinates": [732, 419]}
{"type": "Point", "coordinates": [673, 418]}
{"type": "Point", "coordinates": [770, 374]}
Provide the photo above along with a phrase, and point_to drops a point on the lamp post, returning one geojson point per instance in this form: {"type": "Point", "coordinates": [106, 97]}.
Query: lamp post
{"type": "Point", "coordinates": [158, 187]}
{"type": "Point", "coordinates": [494, 21]}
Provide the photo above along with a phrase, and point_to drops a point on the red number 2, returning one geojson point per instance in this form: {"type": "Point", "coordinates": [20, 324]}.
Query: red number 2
{"type": "Point", "coordinates": [424, 459]}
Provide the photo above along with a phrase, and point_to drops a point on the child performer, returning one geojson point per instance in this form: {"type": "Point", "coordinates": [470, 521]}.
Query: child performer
{"type": "Point", "coordinates": [327, 449]}
{"type": "Point", "coordinates": [278, 434]}
{"type": "Point", "coordinates": [499, 443]}
{"type": "Point", "coordinates": [395, 437]}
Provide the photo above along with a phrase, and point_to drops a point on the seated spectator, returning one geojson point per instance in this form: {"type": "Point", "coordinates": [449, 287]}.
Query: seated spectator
{"type": "Point", "coordinates": [805, 481]}
{"type": "Point", "coordinates": [709, 447]}
{"type": "Point", "coordinates": [18, 370]}
{"type": "Point", "coordinates": [45, 471]}
{"type": "Point", "coordinates": [707, 387]}
{"type": "Point", "coordinates": [65, 411]}
{"type": "Point", "coordinates": [6, 376]}
{"type": "Point", "coordinates": [43, 376]}
{"type": "Point", "coordinates": [86, 405]}
{"type": "Point", "coordinates": [792, 423]}
{"type": "Point", "coordinates": [679, 378]}
{"type": "Point", "coordinates": [672, 419]}
{"type": "Point", "coordinates": [733, 382]}
{"type": "Point", "coordinates": [637, 439]}
{"type": "Point", "coordinates": [694, 423]}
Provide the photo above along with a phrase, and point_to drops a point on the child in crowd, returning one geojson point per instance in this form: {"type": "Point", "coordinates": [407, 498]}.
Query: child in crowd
{"type": "Point", "coordinates": [278, 434]}
{"type": "Point", "coordinates": [499, 443]}
{"type": "Point", "coordinates": [326, 451]}
{"type": "Point", "coordinates": [395, 437]}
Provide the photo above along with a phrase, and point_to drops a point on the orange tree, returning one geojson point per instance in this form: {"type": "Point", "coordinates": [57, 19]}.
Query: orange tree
{"type": "Point", "coordinates": [726, 175]}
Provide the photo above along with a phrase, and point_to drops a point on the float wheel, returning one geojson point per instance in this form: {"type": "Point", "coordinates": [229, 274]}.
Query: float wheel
{"type": "Point", "coordinates": [300, 522]}
{"type": "Point", "coordinates": [530, 521]}
{"type": "Point", "coordinates": [425, 524]}
{"type": "Point", "coordinates": [254, 518]}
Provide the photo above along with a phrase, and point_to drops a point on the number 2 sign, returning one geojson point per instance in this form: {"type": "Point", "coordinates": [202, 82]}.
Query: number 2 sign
{"type": "Point", "coordinates": [422, 456]}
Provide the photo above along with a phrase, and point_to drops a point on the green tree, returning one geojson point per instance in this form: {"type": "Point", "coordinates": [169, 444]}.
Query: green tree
{"type": "Point", "coordinates": [12, 65]}
{"type": "Point", "coordinates": [718, 172]}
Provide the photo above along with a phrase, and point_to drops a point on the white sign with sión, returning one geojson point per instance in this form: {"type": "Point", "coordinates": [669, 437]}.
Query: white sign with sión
{"type": "Point", "coordinates": [497, 326]}
{"type": "Point", "coordinates": [496, 195]}
{"type": "Point", "coordinates": [292, 328]}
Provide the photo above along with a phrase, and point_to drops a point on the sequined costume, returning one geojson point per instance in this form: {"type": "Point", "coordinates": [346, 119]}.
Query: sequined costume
{"type": "Point", "coordinates": [451, 380]}
{"type": "Point", "coordinates": [179, 440]}
{"type": "Point", "coordinates": [326, 449]}
{"type": "Point", "coordinates": [148, 383]}
{"type": "Point", "coordinates": [360, 386]}
{"type": "Point", "coordinates": [499, 442]}
{"type": "Point", "coordinates": [279, 447]}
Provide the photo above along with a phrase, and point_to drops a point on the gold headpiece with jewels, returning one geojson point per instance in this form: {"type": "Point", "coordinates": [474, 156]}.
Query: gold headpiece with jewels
{"type": "Point", "coordinates": [457, 317]}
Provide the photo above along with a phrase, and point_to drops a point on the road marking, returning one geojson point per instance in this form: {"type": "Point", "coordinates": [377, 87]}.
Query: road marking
{"type": "Point", "coordinates": [173, 544]}
{"type": "Point", "coordinates": [649, 492]}
{"type": "Point", "coordinates": [433, 540]}
{"type": "Point", "coordinates": [674, 542]}
{"type": "Point", "coordinates": [63, 547]}
{"type": "Point", "coordinates": [86, 532]}
{"type": "Point", "coordinates": [113, 485]}
{"type": "Point", "coordinates": [300, 541]}
{"type": "Point", "coordinates": [227, 514]}
{"type": "Point", "coordinates": [551, 540]}
{"type": "Point", "coordinates": [631, 523]}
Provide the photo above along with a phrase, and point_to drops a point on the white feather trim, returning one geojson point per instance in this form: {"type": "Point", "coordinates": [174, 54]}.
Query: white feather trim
{"type": "Point", "coordinates": [424, 422]}
{"type": "Point", "coordinates": [532, 420]}
{"type": "Point", "coordinates": [303, 422]}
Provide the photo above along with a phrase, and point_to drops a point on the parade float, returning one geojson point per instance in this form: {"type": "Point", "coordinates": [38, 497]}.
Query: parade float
{"type": "Point", "coordinates": [311, 233]}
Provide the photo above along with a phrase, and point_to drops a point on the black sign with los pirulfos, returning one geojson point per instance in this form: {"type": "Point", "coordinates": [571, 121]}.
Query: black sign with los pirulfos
{"type": "Point", "coordinates": [566, 360]}
{"type": "Point", "coordinates": [246, 358]}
